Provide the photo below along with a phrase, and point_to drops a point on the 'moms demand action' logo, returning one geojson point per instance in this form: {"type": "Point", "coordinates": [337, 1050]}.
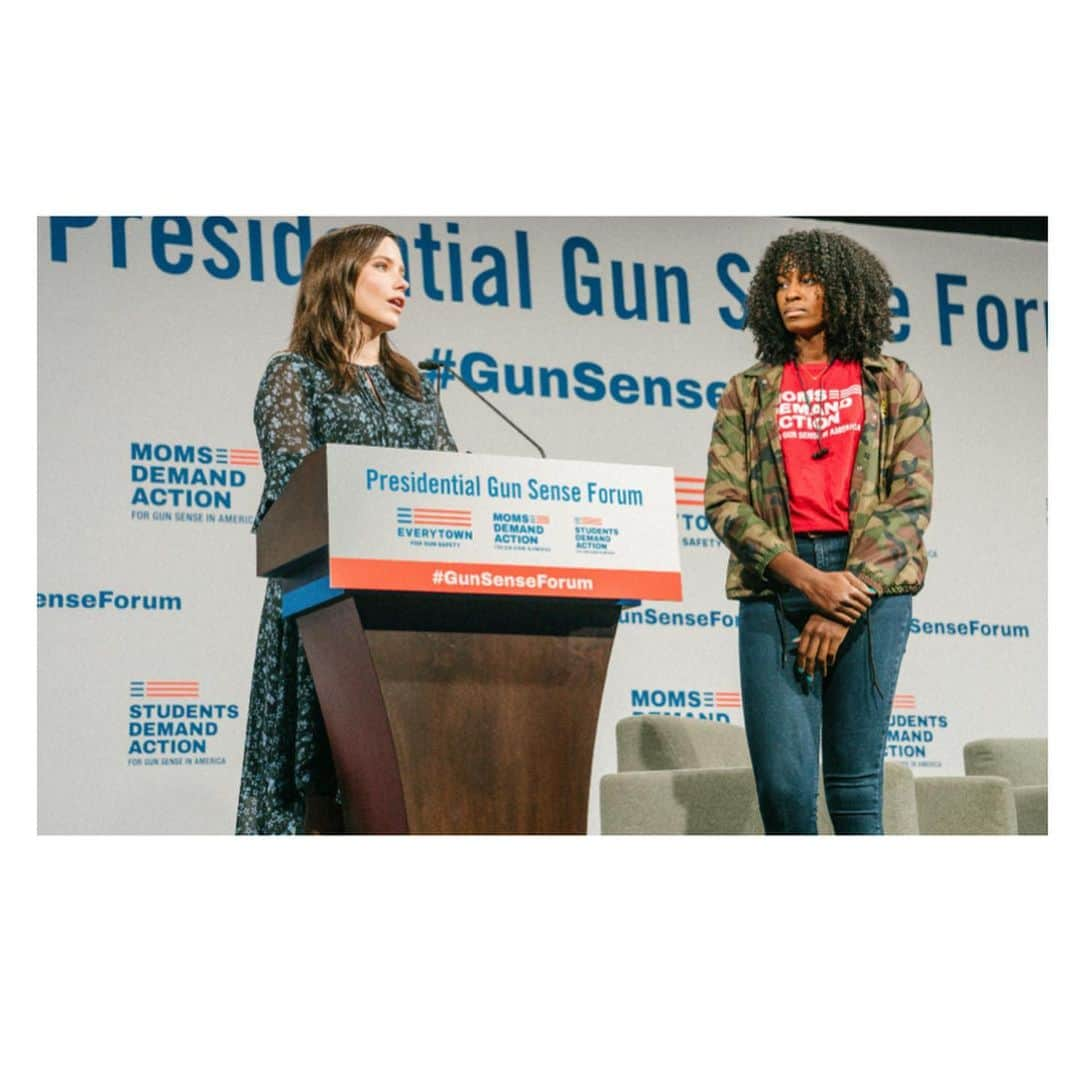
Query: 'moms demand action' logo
{"type": "Point", "coordinates": [189, 484]}
{"type": "Point", "coordinates": [510, 529]}
{"type": "Point", "coordinates": [168, 724]}
{"type": "Point", "coordinates": [699, 704]}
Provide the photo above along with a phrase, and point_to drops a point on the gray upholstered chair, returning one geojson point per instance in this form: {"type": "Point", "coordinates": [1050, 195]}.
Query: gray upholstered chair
{"type": "Point", "coordinates": [678, 742]}
{"type": "Point", "coordinates": [679, 775]}
{"type": "Point", "coordinates": [1023, 763]}
{"type": "Point", "coordinates": [680, 802]}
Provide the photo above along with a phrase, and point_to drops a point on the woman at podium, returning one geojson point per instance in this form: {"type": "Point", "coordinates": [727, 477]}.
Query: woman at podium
{"type": "Point", "coordinates": [341, 381]}
{"type": "Point", "coordinates": [819, 482]}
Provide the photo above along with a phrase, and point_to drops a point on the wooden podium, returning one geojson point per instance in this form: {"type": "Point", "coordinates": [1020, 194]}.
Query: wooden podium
{"type": "Point", "coordinates": [459, 648]}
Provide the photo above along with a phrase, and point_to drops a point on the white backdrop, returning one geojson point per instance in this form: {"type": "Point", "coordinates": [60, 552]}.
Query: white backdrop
{"type": "Point", "coordinates": [153, 333]}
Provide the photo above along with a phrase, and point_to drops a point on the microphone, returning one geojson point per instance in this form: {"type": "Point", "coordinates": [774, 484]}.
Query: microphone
{"type": "Point", "coordinates": [439, 365]}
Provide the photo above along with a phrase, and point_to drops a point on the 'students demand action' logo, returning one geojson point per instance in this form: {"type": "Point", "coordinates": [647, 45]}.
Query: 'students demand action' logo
{"type": "Point", "coordinates": [593, 536]}
{"type": "Point", "coordinates": [168, 725]}
{"type": "Point", "coordinates": [912, 735]}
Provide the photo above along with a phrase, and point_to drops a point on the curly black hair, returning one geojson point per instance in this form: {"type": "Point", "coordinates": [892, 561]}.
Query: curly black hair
{"type": "Point", "coordinates": [857, 289]}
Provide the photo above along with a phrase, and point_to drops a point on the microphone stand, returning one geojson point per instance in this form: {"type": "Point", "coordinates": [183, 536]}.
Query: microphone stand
{"type": "Point", "coordinates": [436, 365]}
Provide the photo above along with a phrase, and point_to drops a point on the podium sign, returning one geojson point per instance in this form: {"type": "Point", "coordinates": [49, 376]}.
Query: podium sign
{"type": "Point", "coordinates": [454, 523]}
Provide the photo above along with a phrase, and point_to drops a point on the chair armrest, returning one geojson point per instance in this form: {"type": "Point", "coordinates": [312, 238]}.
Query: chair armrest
{"type": "Point", "coordinates": [680, 802]}
{"type": "Point", "coordinates": [1031, 809]}
{"type": "Point", "coordinates": [965, 806]}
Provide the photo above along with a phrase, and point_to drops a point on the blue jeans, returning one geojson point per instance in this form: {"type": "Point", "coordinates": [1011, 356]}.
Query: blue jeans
{"type": "Point", "coordinates": [845, 715]}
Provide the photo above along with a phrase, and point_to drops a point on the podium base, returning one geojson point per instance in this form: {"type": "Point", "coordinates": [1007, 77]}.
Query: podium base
{"type": "Point", "coordinates": [461, 714]}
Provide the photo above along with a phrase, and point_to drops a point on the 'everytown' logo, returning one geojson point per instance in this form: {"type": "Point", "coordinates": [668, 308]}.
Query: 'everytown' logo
{"type": "Point", "coordinates": [190, 484]}
{"type": "Point", "coordinates": [911, 734]}
{"type": "Point", "coordinates": [168, 725]}
{"type": "Point", "coordinates": [699, 704]}
{"type": "Point", "coordinates": [429, 526]}
{"type": "Point", "coordinates": [694, 526]}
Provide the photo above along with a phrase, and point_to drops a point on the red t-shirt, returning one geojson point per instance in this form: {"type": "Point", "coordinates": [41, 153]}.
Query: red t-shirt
{"type": "Point", "coordinates": [831, 406]}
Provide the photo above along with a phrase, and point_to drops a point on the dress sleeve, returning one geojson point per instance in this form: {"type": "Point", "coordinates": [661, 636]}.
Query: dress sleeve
{"type": "Point", "coordinates": [283, 424]}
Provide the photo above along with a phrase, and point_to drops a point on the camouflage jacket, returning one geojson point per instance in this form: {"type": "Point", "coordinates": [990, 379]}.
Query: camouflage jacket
{"type": "Point", "coordinates": [746, 492]}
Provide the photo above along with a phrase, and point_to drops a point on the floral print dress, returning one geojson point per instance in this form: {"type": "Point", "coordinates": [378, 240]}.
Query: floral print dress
{"type": "Point", "coordinates": [286, 753]}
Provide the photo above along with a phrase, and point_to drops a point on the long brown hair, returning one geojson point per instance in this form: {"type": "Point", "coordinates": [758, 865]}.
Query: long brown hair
{"type": "Point", "coordinates": [326, 326]}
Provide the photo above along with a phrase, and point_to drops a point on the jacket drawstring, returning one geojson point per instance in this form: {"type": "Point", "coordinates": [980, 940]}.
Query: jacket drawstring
{"type": "Point", "coordinates": [759, 387]}
{"type": "Point", "coordinates": [870, 651]}
{"type": "Point", "coordinates": [778, 604]}
{"type": "Point", "coordinates": [778, 609]}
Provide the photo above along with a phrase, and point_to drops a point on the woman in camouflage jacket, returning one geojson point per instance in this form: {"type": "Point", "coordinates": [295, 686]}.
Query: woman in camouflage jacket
{"type": "Point", "coordinates": [834, 603]}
